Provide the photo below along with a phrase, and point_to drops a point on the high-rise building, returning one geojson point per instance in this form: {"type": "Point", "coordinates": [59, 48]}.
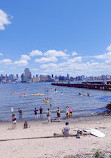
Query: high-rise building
{"type": "Point", "coordinates": [16, 76]}
{"type": "Point", "coordinates": [67, 77]}
{"type": "Point", "coordinates": [11, 77]}
{"type": "Point", "coordinates": [36, 76]}
{"type": "Point", "coordinates": [26, 77]}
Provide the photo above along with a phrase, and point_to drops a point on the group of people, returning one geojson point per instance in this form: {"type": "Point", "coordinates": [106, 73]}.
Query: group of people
{"type": "Point", "coordinates": [68, 112]}
{"type": "Point", "coordinates": [41, 112]}
{"type": "Point", "coordinates": [48, 113]}
{"type": "Point", "coordinates": [88, 94]}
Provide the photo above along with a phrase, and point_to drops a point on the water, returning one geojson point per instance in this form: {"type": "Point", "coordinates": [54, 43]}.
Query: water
{"type": "Point", "coordinates": [81, 105]}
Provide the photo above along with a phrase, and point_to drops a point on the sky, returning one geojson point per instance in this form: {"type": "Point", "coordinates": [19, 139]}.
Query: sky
{"type": "Point", "coordinates": [57, 37]}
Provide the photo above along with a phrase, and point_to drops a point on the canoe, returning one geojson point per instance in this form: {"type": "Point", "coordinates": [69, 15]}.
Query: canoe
{"type": "Point", "coordinates": [46, 100]}
{"type": "Point", "coordinates": [24, 95]}
{"type": "Point", "coordinates": [40, 94]}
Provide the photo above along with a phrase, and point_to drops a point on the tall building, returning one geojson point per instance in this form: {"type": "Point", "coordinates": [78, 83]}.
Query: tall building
{"type": "Point", "coordinates": [26, 77]}
{"type": "Point", "coordinates": [67, 77]}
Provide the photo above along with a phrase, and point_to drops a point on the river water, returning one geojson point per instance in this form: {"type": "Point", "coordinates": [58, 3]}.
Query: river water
{"type": "Point", "coordinates": [62, 97]}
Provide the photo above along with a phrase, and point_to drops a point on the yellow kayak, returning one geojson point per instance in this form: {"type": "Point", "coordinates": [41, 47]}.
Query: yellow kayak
{"type": "Point", "coordinates": [46, 100]}
{"type": "Point", "coordinates": [37, 94]}
{"type": "Point", "coordinates": [24, 95]}
{"type": "Point", "coordinates": [16, 93]}
{"type": "Point", "coordinates": [52, 89]}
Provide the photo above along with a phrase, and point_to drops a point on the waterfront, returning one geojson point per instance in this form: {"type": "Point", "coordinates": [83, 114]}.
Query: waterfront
{"type": "Point", "coordinates": [81, 105]}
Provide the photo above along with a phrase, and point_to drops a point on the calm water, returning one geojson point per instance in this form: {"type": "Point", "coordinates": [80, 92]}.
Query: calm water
{"type": "Point", "coordinates": [81, 105]}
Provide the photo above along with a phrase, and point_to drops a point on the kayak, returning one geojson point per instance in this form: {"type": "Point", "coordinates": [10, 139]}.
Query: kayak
{"type": "Point", "coordinates": [46, 100]}
{"type": "Point", "coordinates": [40, 94]}
{"type": "Point", "coordinates": [24, 95]}
{"type": "Point", "coordinates": [52, 89]}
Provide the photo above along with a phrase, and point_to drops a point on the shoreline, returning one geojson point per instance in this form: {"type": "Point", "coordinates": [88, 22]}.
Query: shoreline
{"type": "Point", "coordinates": [103, 111]}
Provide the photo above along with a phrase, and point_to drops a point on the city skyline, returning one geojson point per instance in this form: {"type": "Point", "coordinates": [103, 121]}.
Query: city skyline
{"type": "Point", "coordinates": [28, 77]}
{"type": "Point", "coordinates": [59, 37]}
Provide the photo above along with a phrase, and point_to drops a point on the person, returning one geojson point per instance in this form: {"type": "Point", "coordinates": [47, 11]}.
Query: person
{"type": "Point", "coordinates": [67, 112]}
{"type": "Point", "coordinates": [35, 112]}
{"type": "Point", "coordinates": [25, 124]}
{"type": "Point", "coordinates": [88, 94]}
{"type": "Point", "coordinates": [48, 115]}
{"type": "Point", "coordinates": [13, 121]}
{"type": "Point", "coordinates": [66, 129]}
{"type": "Point", "coordinates": [50, 105]}
{"type": "Point", "coordinates": [58, 114]}
{"type": "Point", "coordinates": [70, 110]}
{"type": "Point", "coordinates": [41, 109]}
{"type": "Point", "coordinates": [20, 113]}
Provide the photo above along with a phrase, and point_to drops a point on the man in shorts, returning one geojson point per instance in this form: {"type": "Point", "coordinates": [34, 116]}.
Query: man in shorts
{"type": "Point", "coordinates": [41, 115]}
{"type": "Point", "coordinates": [35, 112]}
{"type": "Point", "coordinates": [48, 115]}
{"type": "Point", "coordinates": [58, 114]}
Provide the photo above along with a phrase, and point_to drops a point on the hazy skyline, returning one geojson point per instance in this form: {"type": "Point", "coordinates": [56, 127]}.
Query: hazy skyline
{"type": "Point", "coordinates": [55, 37]}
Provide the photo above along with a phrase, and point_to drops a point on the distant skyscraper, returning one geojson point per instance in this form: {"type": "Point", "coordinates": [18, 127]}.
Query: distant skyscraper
{"type": "Point", "coordinates": [67, 76]}
{"type": "Point", "coordinates": [36, 76]}
{"type": "Point", "coordinates": [11, 77]}
{"type": "Point", "coordinates": [27, 75]}
{"type": "Point", "coordinates": [17, 76]}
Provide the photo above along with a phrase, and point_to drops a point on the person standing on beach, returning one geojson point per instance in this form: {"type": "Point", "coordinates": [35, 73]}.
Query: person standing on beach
{"type": "Point", "coordinates": [20, 113]}
{"type": "Point", "coordinates": [41, 109]}
{"type": "Point", "coordinates": [67, 112]}
{"type": "Point", "coordinates": [13, 121]}
{"type": "Point", "coordinates": [58, 114]}
{"type": "Point", "coordinates": [70, 110]}
{"type": "Point", "coordinates": [35, 112]}
{"type": "Point", "coordinates": [48, 115]}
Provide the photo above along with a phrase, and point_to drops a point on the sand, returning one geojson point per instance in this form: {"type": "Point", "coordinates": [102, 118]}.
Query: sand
{"type": "Point", "coordinates": [38, 141]}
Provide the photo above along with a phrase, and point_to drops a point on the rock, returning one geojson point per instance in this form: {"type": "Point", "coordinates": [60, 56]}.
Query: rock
{"type": "Point", "coordinates": [108, 106]}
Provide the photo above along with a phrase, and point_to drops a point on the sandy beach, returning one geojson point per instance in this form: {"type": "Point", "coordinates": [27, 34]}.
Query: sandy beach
{"type": "Point", "coordinates": [38, 141]}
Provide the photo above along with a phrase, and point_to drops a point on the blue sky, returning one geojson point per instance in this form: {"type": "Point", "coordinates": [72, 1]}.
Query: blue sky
{"type": "Point", "coordinates": [55, 37]}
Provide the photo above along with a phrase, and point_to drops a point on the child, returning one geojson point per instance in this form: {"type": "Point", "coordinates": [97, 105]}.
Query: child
{"type": "Point", "coordinates": [25, 124]}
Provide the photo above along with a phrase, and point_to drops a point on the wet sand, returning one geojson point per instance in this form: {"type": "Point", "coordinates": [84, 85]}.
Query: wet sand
{"type": "Point", "coordinates": [38, 140]}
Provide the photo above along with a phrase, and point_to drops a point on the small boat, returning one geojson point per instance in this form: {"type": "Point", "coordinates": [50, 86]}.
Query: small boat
{"type": "Point", "coordinates": [16, 93]}
{"type": "Point", "coordinates": [24, 95]}
{"type": "Point", "coordinates": [40, 94]}
{"type": "Point", "coordinates": [52, 88]}
{"type": "Point", "coordinates": [46, 100]}
{"type": "Point", "coordinates": [11, 92]}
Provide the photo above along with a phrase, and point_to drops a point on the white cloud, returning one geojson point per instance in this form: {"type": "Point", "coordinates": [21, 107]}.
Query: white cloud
{"type": "Point", "coordinates": [25, 57]}
{"type": "Point", "coordinates": [3, 20]}
{"type": "Point", "coordinates": [104, 56]}
{"type": "Point", "coordinates": [109, 48]}
{"type": "Point", "coordinates": [1, 71]}
{"type": "Point", "coordinates": [74, 53]}
{"type": "Point", "coordinates": [36, 53]}
{"type": "Point", "coordinates": [49, 66]}
{"type": "Point", "coordinates": [1, 54]}
{"type": "Point", "coordinates": [6, 61]}
{"type": "Point", "coordinates": [34, 69]}
{"type": "Point", "coordinates": [55, 53]}
{"type": "Point", "coordinates": [44, 60]}
{"type": "Point", "coordinates": [21, 62]}
{"type": "Point", "coordinates": [73, 60]}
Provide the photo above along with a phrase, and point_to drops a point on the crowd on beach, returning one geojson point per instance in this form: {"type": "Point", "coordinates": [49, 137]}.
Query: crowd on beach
{"type": "Point", "coordinates": [48, 114]}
